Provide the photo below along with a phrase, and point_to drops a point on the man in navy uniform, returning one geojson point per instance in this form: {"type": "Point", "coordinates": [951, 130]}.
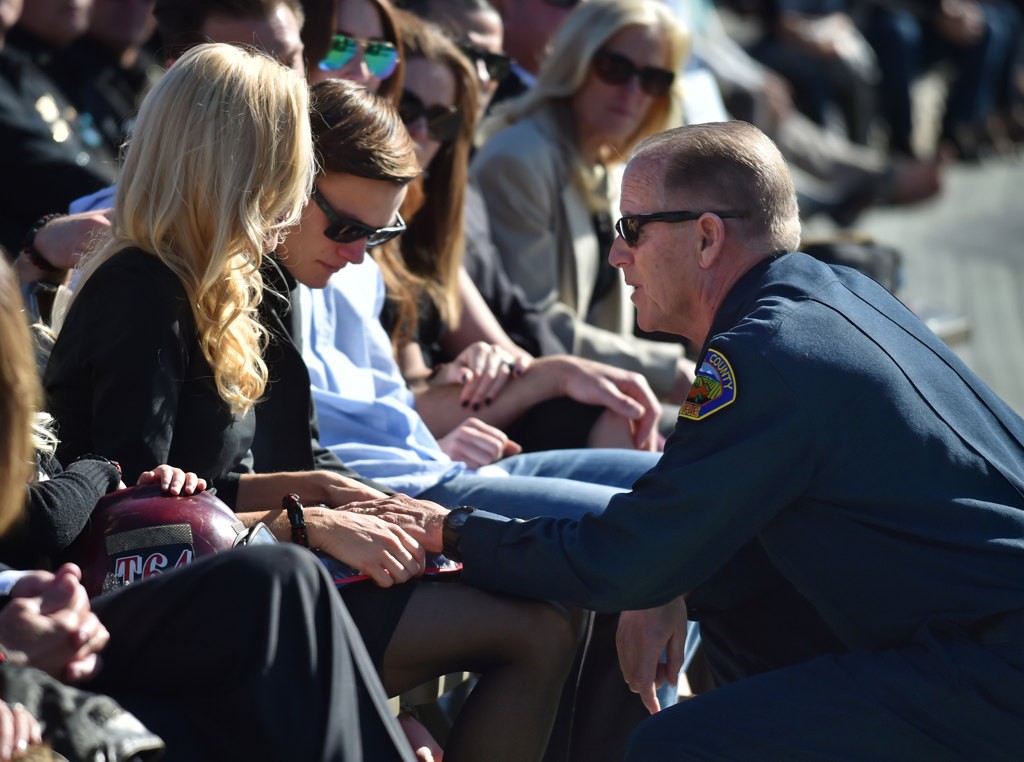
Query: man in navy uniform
{"type": "Point", "coordinates": [841, 505]}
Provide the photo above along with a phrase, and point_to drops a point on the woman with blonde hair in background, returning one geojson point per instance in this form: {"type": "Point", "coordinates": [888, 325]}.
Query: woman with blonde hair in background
{"type": "Point", "coordinates": [548, 175]}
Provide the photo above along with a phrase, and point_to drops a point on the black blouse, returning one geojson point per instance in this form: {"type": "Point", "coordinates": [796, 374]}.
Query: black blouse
{"type": "Point", "coordinates": [128, 380]}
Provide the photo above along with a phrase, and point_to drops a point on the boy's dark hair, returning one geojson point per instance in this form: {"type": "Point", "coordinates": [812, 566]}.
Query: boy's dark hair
{"type": "Point", "coordinates": [357, 133]}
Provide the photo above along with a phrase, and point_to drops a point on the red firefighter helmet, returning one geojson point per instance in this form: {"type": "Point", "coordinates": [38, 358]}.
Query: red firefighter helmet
{"type": "Point", "coordinates": [137, 532]}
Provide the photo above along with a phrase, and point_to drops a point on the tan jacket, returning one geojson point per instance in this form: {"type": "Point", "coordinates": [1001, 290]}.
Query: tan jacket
{"type": "Point", "coordinates": [542, 228]}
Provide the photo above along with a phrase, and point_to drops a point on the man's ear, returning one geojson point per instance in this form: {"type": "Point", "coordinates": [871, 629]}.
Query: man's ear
{"type": "Point", "coordinates": [711, 229]}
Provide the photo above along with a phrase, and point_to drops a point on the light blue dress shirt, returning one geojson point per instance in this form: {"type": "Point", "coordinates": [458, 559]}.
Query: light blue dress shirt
{"type": "Point", "coordinates": [367, 413]}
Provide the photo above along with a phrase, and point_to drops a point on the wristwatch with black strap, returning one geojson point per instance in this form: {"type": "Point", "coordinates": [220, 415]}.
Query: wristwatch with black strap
{"type": "Point", "coordinates": [451, 531]}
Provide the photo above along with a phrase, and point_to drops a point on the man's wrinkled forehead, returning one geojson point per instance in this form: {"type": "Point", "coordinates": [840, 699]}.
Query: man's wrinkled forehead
{"type": "Point", "coordinates": [643, 186]}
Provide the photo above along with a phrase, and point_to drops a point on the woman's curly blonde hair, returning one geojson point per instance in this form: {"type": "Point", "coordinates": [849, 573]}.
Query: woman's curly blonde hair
{"type": "Point", "coordinates": [219, 166]}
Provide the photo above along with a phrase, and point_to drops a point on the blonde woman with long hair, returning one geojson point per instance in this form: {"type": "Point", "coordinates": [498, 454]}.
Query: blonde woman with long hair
{"type": "Point", "coordinates": [163, 326]}
{"type": "Point", "coordinates": [246, 134]}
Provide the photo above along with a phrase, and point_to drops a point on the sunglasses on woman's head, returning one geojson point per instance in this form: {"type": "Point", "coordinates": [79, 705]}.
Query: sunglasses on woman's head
{"type": "Point", "coordinates": [381, 56]}
{"type": "Point", "coordinates": [616, 69]}
{"type": "Point", "coordinates": [344, 230]}
{"type": "Point", "coordinates": [498, 65]}
{"type": "Point", "coordinates": [443, 122]}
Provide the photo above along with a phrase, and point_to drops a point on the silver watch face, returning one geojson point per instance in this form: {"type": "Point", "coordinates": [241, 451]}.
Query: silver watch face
{"type": "Point", "coordinates": [457, 517]}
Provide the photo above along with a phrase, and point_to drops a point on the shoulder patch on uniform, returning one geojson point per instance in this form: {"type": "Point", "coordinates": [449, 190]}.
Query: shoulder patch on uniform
{"type": "Point", "coordinates": [713, 388]}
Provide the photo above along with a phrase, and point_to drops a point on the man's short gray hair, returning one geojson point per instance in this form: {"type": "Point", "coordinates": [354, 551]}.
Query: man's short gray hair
{"type": "Point", "coordinates": [734, 166]}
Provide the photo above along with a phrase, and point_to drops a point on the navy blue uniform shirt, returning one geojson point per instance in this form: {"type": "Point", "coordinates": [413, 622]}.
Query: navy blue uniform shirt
{"type": "Point", "coordinates": [833, 438]}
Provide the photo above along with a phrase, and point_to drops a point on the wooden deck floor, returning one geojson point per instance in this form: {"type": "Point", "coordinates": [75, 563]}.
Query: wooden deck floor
{"type": "Point", "coordinates": [964, 255]}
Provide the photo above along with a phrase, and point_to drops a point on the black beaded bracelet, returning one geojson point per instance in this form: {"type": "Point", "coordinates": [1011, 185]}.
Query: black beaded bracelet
{"type": "Point", "coordinates": [28, 244]}
{"type": "Point", "coordinates": [296, 518]}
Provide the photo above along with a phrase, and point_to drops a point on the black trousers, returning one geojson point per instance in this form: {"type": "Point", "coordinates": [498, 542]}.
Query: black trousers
{"type": "Point", "coordinates": [248, 654]}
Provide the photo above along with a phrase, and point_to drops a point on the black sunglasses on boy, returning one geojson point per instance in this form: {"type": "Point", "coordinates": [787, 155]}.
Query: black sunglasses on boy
{"type": "Point", "coordinates": [344, 230]}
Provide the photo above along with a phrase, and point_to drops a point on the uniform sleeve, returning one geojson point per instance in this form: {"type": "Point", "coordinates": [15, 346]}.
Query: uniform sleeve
{"type": "Point", "coordinates": [117, 369]}
{"type": "Point", "coordinates": [721, 480]}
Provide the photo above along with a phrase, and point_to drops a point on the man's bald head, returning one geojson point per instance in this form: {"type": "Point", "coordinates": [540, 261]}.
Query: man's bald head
{"type": "Point", "coordinates": [731, 165]}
